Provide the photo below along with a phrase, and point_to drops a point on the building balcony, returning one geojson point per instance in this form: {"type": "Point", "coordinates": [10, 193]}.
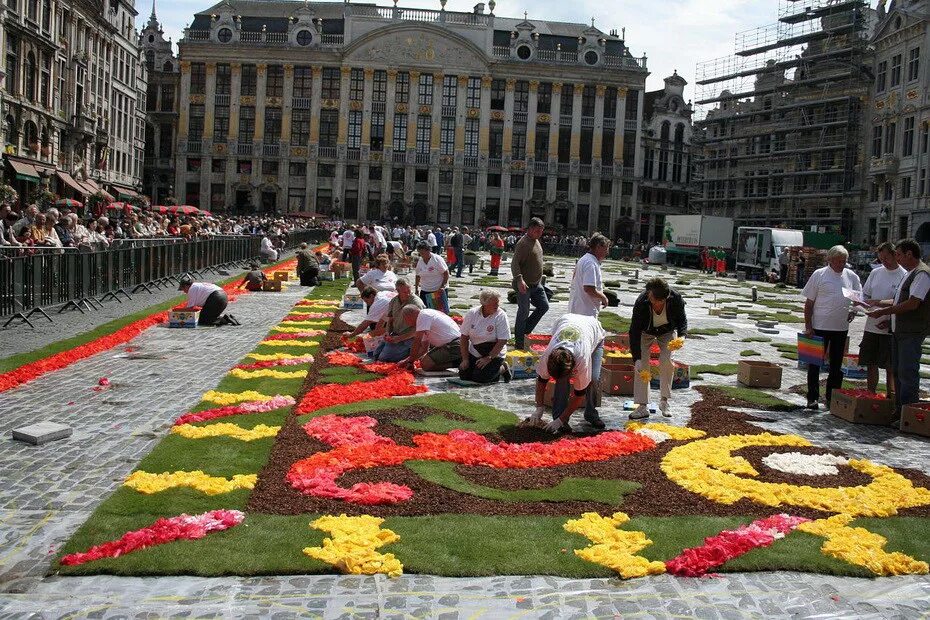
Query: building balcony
{"type": "Point", "coordinates": [271, 149]}
{"type": "Point", "coordinates": [422, 159]}
{"type": "Point", "coordinates": [399, 157]}
{"type": "Point", "coordinates": [471, 161]}
{"type": "Point", "coordinates": [327, 152]}
{"type": "Point", "coordinates": [353, 154]}
{"type": "Point", "coordinates": [83, 125]}
{"type": "Point", "coordinates": [302, 103]}
{"type": "Point", "coordinates": [194, 147]}
{"type": "Point", "coordinates": [630, 124]}
{"type": "Point", "coordinates": [245, 148]}
{"type": "Point", "coordinates": [494, 165]}
{"type": "Point", "coordinates": [886, 164]}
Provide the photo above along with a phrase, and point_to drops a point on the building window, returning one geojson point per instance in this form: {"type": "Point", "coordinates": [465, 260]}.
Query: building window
{"type": "Point", "coordinates": [905, 187]}
{"type": "Point", "coordinates": [922, 182]}
{"type": "Point", "coordinates": [304, 38]}
{"type": "Point", "coordinates": [374, 173]}
{"type": "Point", "coordinates": [494, 180]}
{"type": "Point", "coordinates": [249, 81]}
{"type": "Point", "coordinates": [471, 137]}
{"type": "Point", "coordinates": [565, 145]}
{"type": "Point", "coordinates": [398, 178]}
{"type": "Point", "coordinates": [297, 169]}
{"type": "Point", "coordinates": [907, 148]}
{"type": "Point", "coordinates": [587, 101]}
{"type": "Point", "coordinates": [498, 88]}
{"type": "Point", "coordinates": [496, 136]}
{"type": "Point", "coordinates": [518, 143]}
{"type": "Point", "coordinates": [607, 147]}
{"type": "Point", "coordinates": [444, 213]}
{"type": "Point", "coordinates": [544, 98]}
{"type": "Point", "coordinates": [425, 89]}
{"type": "Point", "coordinates": [198, 78]}
{"type": "Point", "coordinates": [567, 100]}
{"type": "Point", "coordinates": [325, 171]}
{"type": "Point", "coordinates": [913, 64]}
{"type": "Point", "coordinates": [473, 93]}
{"type": "Point", "coordinates": [377, 131]}
{"type": "Point", "coordinates": [606, 187]}
{"type": "Point", "coordinates": [167, 98]}
{"type": "Point", "coordinates": [449, 91]}
{"type": "Point", "coordinates": [402, 87]}
{"type": "Point", "coordinates": [521, 96]}
{"type": "Point", "coordinates": [584, 186]}
{"type": "Point", "coordinates": [881, 76]}
{"type": "Point", "coordinates": [355, 130]}
{"type": "Point", "coordinates": [610, 103]}
{"type": "Point", "coordinates": [470, 179]}
{"type": "Point", "coordinates": [421, 175]}
{"type": "Point", "coordinates": [300, 127]}
{"type": "Point", "coordinates": [542, 143]}
{"type": "Point", "coordinates": [356, 85]}
{"type": "Point", "coordinates": [517, 181]}
{"type": "Point", "coordinates": [400, 132]}
{"type": "Point", "coordinates": [925, 138]}
{"type": "Point", "coordinates": [274, 85]}
{"type": "Point", "coordinates": [895, 70]}
{"type": "Point", "coordinates": [447, 136]}
{"type": "Point", "coordinates": [12, 65]}
{"type": "Point", "coordinates": [889, 191]}
{"type": "Point", "coordinates": [329, 88]}
{"type": "Point", "coordinates": [221, 123]}
{"type": "Point", "coordinates": [329, 127]}
{"type": "Point", "coordinates": [379, 86]}
{"type": "Point", "coordinates": [195, 129]}
{"type": "Point", "coordinates": [468, 210]}
{"type": "Point", "coordinates": [890, 137]}
{"type": "Point", "coordinates": [272, 125]}
{"type": "Point", "coordinates": [30, 77]}
{"type": "Point", "coordinates": [45, 83]}
{"type": "Point", "coordinates": [424, 125]}
{"type": "Point", "coordinates": [223, 79]}
{"type": "Point", "coordinates": [877, 141]}
{"type": "Point", "coordinates": [270, 168]}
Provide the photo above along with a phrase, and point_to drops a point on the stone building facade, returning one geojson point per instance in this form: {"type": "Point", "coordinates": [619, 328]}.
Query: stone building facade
{"type": "Point", "coordinates": [72, 86]}
{"type": "Point", "coordinates": [421, 115]}
{"type": "Point", "coordinates": [899, 116]}
{"type": "Point", "coordinates": [666, 144]}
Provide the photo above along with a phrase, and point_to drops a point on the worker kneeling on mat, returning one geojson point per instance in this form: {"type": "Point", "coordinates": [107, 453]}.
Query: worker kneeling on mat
{"type": "Point", "coordinates": [211, 300]}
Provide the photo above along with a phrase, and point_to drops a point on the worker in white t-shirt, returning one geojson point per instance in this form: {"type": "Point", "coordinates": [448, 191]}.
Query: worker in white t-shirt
{"type": "Point", "coordinates": [432, 278]}
{"type": "Point", "coordinates": [827, 314]}
{"type": "Point", "coordinates": [348, 238]}
{"type": "Point", "coordinates": [876, 345]}
{"type": "Point", "coordinates": [485, 332]}
{"type": "Point", "coordinates": [586, 295]}
{"type": "Point", "coordinates": [378, 302]}
{"type": "Point", "coordinates": [379, 277]}
{"type": "Point", "coordinates": [436, 343]}
{"type": "Point", "coordinates": [573, 360]}
{"type": "Point", "coordinates": [211, 300]}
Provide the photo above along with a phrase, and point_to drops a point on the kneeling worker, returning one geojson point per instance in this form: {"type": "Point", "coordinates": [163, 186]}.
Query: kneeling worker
{"type": "Point", "coordinates": [436, 343]}
{"type": "Point", "coordinates": [573, 359]}
{"type": "Point", "coordinates": [211, 300]}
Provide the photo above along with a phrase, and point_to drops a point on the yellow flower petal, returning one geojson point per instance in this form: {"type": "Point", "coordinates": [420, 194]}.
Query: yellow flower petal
{"type": "Point", "coordinates": [614, 548]}
{"type": "Point", "coordinates": [147, 483]}
{"type": "Point", "coordinates": [268, 373]}
{"type": "Point", "coordinates": [225, 429]}
{"type": "Point", "coordinates": [352, 545]}
{"type": "Point", "coordinates": [231, 398]}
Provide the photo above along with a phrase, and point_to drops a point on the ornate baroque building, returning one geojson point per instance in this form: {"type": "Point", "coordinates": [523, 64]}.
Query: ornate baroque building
{"type": "Point", "coordinates": [421, 115]}
{"type": "Point", "coordinates": [666, 143]}
{"type": "Point", "coordinates": [73, 83]}
{"type": "Point", "coordinates": [899, 116]}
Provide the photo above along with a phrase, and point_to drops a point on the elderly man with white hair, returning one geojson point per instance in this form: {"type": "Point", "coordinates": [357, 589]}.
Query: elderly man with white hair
{"type": "Point", "coordinates": [483, 345]}
{"type": "Point", "coordinates": [827, 314]}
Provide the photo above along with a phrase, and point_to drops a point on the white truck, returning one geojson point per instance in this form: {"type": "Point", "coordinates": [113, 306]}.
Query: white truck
{"type": "Point", "coordinates": [685, 235]}
{"type": "Point", "coordinates": [758, 248]}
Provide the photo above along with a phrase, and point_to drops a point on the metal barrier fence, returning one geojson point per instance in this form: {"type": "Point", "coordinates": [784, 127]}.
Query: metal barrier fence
{"type": "Point", "coordinates": [83, 280]}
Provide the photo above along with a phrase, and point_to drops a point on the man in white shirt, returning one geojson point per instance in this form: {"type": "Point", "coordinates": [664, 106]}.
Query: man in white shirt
{"type": "Point", "coordinates": [573, 360]}
{"type": "Point", "coordinates": [267, 251]}
{"type": "Point", "coordinates": [875, 348]}
{"type": "Point", "coordinates": [378, 302]}
{"type": "Point", "coordinates": [348, 238]}
{"type": "Point", "coordinates": [485, 333]}
{"type": "Point", "coordinates": [432, 278]}
{"type": "Point", "coordinates": [586, 295]}
{"type": "Point", "coordinates": [436, 343]}
{"type": "Point", "coordinates": [211, 300]}
{"type": "Point", "coordinates": [910, 323]}
{"type": "Point", "coordinates": [431, 241]}
{"type": "Point", "coordinates": [827, 314]}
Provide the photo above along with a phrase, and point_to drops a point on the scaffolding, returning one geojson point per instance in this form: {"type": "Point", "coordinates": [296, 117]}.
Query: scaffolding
{"type": "Point", "coordinates": [779, 122]}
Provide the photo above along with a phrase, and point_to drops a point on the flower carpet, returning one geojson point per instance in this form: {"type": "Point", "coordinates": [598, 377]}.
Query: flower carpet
{"type": "Point", "coordinates": [307, 459]}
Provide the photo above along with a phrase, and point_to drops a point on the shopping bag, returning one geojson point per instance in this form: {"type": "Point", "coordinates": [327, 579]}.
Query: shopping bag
{"type": "Point", "coordinates": [810, 349]}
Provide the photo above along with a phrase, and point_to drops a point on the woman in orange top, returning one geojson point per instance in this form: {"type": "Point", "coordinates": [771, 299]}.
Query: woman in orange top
{"type": "Point", "coordinates": [497, 251]}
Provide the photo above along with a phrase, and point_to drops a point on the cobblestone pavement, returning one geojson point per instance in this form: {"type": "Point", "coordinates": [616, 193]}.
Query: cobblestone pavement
{"type": "Point", "coordinates": [19, 337]}
{"type": "Point", "coordinates": [49, 491]}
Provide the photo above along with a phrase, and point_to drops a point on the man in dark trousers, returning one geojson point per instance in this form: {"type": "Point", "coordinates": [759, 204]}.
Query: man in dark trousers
{"type": "Point", "coordinates": [308, 268]}
{"type": "Point", "coordinates": [211, 300]}
{"type": "Point", "coordinates": [457, 241]}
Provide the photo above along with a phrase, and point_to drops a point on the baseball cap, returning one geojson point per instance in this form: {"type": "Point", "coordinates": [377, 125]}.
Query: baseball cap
{"type": "Point", "coordinates": [185, 280]}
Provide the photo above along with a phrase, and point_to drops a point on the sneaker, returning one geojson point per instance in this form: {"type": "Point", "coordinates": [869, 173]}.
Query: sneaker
{"type": "Point", "coordinates": [597, 424]}
{"type": "Point", "coordinates": [505, 372]}
{"type": "Point", "coordinates": [813, 406]}
{"type": "Point", "coordinates": [641, 413]}
{"type": "Point", "coordinates": [663, 407]}
{"type": "Point", "coordinates": [233, 320]}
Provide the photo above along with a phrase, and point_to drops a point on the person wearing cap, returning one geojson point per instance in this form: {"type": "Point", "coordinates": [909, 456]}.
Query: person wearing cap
{"type": "Point", "coordinates": [253, 279]}
{"type": "Point", "coordinates": [211, 300]}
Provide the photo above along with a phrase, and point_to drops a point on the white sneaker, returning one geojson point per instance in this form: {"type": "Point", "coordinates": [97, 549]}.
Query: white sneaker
{"type": "Point", "coordinates": [640, 413]}
{"type": "Point", "coordinates": [663, 407]}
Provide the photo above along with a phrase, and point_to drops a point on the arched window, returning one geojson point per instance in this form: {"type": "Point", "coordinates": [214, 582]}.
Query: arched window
{"type": "Point", "coordinates": [47, 15]}
{"type": "Point", "coordinates": [168, 66]}
{"type": "Point", "coordinates": [31, 135]}
{"type": "Point", "coordinates": [30, 77]}
{"type": "Point", "coordinates": [679, 135]}
{"type": "Point", "coordinates": [46, 81]}
{"type": "Point", "coordinates": [666, 129]}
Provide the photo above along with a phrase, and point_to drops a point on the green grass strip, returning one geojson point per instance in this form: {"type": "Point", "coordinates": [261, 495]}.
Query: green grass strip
{"type": "Point", "coordinates": [748, 353]}
{"type": "Point", "coordinates": [713, 369]}
{"type": "Point", "coordinates": [569, 489]}
{"type": "Point", "coordinates": [709, 331]}
{"type": "Point", "coordinates": [756, 339]}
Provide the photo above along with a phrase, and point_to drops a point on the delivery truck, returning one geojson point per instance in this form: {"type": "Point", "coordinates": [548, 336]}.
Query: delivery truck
{"type": "Point", "coordinates": [686, 235]}
{"type": "Point", "coordinates": [758, 248]}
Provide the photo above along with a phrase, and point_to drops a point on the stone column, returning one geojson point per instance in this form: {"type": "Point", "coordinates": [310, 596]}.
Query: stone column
{"type": "Point", "coordinates": [184, 98]}
{"type": "Point", "coordinates": [389, 111]}
{"type": "Point", "coordinates": [209, 102]}
{"type": "Point", "coordinates": [261, 71]}
{"type": "Point", "coordinates": [575, 152]}
{"type": "Point", "coordinates": [616, 199]}
{"type": "Point", "coordinates": [366, 109]}
{"type": "Point", "coordinates": [287, 107]}
{"type": "Point", "coordinates": [597, 142]}
{"type": "Point", "coordinates": [481, 190]}
{"type": "Point", "coordinates": [554, 114]}
{"type": "Point", "coordinates": [413, 105]}
{"type": "Point", "coordinates": [637, 165]}
{"type": "Point", "coordinates": [316, 73]}
{"type": "Point", "coordinates": [339, 179]}
{"type": "Point", "coordinates": [531, 120]}
{"type": "Point", "coordinates": [458, 180]}
{"type": "Point", "coordinates": [508, 119]}
{"type": "Point", "coordinates": [235, 87]}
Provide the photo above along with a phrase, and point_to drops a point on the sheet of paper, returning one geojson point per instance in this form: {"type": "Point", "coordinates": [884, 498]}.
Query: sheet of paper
{"type": "Point", "coordinates": [852, 295]}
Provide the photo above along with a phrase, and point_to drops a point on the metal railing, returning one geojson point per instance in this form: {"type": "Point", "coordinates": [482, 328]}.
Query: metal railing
{"type": "Point", "coordinates": [83, 280]}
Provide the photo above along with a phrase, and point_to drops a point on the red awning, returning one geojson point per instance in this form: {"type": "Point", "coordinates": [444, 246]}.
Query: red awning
{"type": "Point", "coordinates": [68, 180]}
{"type": "Point", "coordinates": [94, 188]}
{"type": "Point", "coordinates": [24, 171]}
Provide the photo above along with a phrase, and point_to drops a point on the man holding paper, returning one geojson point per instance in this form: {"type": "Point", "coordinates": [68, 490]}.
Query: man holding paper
{"type": "Point", "coordinates": [827, 314]}
{"type": "Point", "coordinates": [875, 348]}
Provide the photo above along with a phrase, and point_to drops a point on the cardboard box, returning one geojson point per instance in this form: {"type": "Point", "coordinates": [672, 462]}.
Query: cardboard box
{"type": "Point", "coordinates": [759, 374]}
{"type": "Point", "coordinates": [550, 394]}
{"type": "Point", "coordinates": [272, 286]}
{"type": "Point", "coordinates": [618, 379]}
{"type": "Point", "coordinates": [915, 418]}
{"type": "Point", "coordinates": [860, 410]}
{"type": "Point", "coordinates": [522, 363]}
{"type": "Point", "coordinates": [618, 340]}
{"type": "Point", "coordinates": [353, 301]}
{"type": "Point", "coordinates": [852, 369]}
{"type": "Point", "coordinates": [680, 380]}
{"type": "Point", "coordinates": [184, 317]}
{"type": "Point", "coordinates": [283, 276]}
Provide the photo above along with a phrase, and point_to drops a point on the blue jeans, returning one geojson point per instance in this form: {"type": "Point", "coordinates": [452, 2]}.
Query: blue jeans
{"type": "Point", "coordinates": [393, 351]}
{"type": "Point", "coordinates": [563, 389]}
{"type": "Point", "coordinates": [905, 362]}
{"type": "Point", "coordinates": [459, 261]}
{"type": "Point", "coordinates": [527, 322]}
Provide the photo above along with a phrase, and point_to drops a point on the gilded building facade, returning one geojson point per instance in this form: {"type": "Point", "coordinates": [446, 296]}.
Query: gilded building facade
{"type": "Point", "coordinates": [427, 116]}
{"type": "Point", "coordinates": [72, 86]}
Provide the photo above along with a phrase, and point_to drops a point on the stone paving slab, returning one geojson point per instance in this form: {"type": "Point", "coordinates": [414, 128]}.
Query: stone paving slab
{"type": "Point", "coordinates": [49, 491]}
